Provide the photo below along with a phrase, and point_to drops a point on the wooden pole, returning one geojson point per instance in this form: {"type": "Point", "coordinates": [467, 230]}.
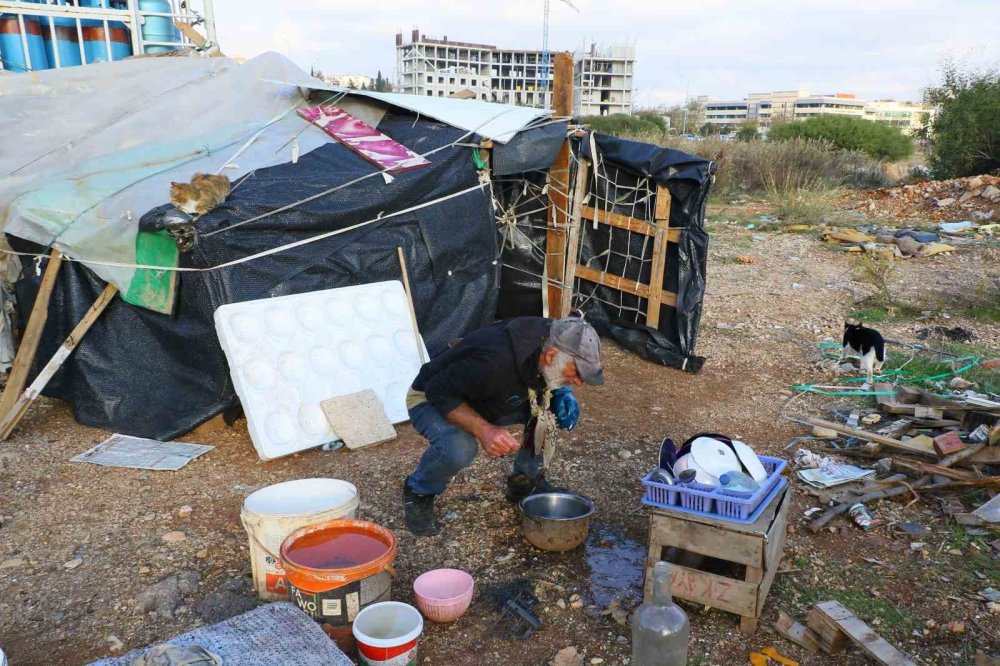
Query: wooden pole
{"type": "Point", "coordinates": [864, 434]}
{"type": "Point", "coordinates": [573, 242]}
{"type": "Point", "coordinates": [558, 185]}
{"type": "Point", "coordinates": [32, 336]}
{"type": "Point", "coordinates": [11, 419]}
{"type": "Point", "coordinates": [409, 302]}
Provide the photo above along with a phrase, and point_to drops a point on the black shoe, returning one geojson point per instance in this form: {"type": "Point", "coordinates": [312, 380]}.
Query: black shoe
{"type": "Point", "coordinates": [419, 512]}
{"type": "Point", "coordinates": [520, 486]}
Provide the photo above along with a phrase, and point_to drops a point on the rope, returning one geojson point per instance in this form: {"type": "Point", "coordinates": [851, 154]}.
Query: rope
{"type": "Point", "coordinates": [259, 255]}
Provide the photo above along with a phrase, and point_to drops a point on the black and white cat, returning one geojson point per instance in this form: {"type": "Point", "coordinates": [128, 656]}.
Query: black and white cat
{"type": "Point", "coordinates": [866, 343]}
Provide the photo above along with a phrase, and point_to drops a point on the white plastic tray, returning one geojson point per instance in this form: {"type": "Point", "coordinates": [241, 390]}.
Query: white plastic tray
{"type": "Point", "coordinates": [288, 354]}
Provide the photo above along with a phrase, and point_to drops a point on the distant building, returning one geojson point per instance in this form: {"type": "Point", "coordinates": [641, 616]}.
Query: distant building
{"type": "Point", "coordinates": [769, 107]}
{"type": "Point", "coordinates": [909, 117]}
{"type": "Point", "coordinates": [603, 78]}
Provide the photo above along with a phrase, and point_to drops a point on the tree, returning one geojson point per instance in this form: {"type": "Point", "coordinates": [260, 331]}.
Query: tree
{"type": "Point", "coordinates": [747, 132]}
{"type": "Point", "coordinates": [964, 135]}
{"type": "Point", "coordinates": [381, 84]}
{"type": "Point", "coordinates": [709, 129]}
{"type": "Point", "coordinates": [849, 133]}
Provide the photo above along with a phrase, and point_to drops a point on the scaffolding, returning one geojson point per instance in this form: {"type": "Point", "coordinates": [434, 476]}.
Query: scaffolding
{"type": "Point", "coordinates": [54, 34]}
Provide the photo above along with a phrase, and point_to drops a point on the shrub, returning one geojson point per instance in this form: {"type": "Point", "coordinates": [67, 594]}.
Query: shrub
{"type": "Point", "coordinates": [747, 133]}
{"type": "Point", "coordinates": [965, 133]}
{"type": "Point", "coordinates": [848, 133]}
{"type": "Point", "coordinates": [619, 124]}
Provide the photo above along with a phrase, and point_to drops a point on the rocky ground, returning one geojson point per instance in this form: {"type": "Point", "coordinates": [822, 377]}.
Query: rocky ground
{"type": "Point", "coordinates": [97, 561]}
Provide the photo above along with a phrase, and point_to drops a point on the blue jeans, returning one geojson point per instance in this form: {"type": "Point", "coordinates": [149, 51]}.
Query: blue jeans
{"type": "Point", "coordinates": [451, 449]}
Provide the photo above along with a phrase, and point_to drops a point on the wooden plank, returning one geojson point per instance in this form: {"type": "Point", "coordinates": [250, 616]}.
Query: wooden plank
{"type": "Point", "coordinates": [31, 393]}
{"type": "Point", "coordinates": [796, 632]}
{"type": "Point", "coordinates": [659, 257]}
{"type": "Point", "coordinates": [627, 223]}
{"type": "Point", "coordinates": [864, 636]}
{"type": "Point", "coordinates": [573, 241]}
{"type": "Point", "coordinates": [864, 434]}
{"type": "Point", "coordinates": [775, 539]}
{"type": "Point", "coordinates": [25, 357]}
{"type": "Point", "coordinates": [622, 284]}
{"type": "Point", "coordinates": [555, 235]}
{"type": "Point", "coordinates": [655, 555]}
{"type": "Point", "coordinates": [748, 622]}
{"type": "Point", "coordinates": [728, 594]}
{"type": "Point", "coordinates": [707, 540]}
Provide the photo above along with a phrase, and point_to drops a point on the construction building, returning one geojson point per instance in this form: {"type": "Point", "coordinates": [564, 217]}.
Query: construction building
{"type": "Point", "coordinates": [769, 107]}
{"type": "Point", "coordinates": [603, 78]}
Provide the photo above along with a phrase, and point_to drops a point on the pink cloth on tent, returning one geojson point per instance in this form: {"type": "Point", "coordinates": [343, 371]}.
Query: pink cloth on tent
{"type": "Point", "coordinates": [363, 139]}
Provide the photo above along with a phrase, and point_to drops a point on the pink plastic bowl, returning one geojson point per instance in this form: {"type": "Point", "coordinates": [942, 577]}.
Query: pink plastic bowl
{"type": "Point", "coordinates": [443, 595]}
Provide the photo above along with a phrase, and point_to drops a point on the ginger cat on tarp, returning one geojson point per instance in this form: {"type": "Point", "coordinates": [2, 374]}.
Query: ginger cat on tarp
{"type": "Point", "coordinates": [201, 195]}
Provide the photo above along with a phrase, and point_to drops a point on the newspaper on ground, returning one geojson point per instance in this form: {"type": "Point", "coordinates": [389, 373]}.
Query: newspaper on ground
{"type": "Point", "coordinates": [138, 453]}
{"type": "Point", "coordinates": [833, 474]}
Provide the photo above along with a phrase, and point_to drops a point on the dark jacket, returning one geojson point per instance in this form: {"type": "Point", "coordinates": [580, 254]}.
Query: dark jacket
{"type": "Point", "coordinates": [491, 369]}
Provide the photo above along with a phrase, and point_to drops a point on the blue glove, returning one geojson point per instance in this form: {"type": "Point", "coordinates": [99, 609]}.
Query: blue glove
{"type": "Point", "coordinates": [565, 407]}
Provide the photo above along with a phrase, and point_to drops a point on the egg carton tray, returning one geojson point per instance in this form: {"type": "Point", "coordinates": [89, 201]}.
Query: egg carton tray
{"type": "Point", "coordinates": [714, 502]}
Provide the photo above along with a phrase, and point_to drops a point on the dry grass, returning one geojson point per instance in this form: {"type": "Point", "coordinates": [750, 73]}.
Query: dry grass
{"type": "Point", "coordinates": [779, 167]}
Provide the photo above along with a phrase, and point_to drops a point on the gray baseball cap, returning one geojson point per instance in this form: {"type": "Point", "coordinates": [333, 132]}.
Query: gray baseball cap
{"type": "Point", "coordinates": [578, 338]}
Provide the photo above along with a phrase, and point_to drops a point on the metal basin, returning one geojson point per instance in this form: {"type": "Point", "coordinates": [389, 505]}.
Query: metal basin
{"type": "Point", "coordinates": [556, 521]}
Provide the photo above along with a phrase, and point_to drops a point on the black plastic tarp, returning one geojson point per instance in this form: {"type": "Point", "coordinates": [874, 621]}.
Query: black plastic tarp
{"type": "Point", "coordinates": [158, 375]}
{"type": "Point", "coordinates": [624, 165]}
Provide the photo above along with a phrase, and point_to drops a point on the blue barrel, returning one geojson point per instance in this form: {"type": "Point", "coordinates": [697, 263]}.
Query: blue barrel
{"type": "Point", "coordinates": [96, 40]}
{"type": "Point", "coordinates": [61, 36]}
{"type": "Point", "coordinates": [12, 47]}
{"type": "Point", "coordinates": [158, 28]}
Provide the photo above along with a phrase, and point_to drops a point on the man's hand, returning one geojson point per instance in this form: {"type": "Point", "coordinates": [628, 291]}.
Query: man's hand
{"type": "Point", "coordinates": [497, 441]}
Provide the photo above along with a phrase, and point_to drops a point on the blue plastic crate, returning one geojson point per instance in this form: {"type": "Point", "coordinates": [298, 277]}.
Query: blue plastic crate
{"type": "Point", "coordinates": [714, 502]}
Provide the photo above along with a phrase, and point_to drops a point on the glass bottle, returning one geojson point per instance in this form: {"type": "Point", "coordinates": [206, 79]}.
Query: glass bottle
{"type": "Point", "coordinates": [660, 629]}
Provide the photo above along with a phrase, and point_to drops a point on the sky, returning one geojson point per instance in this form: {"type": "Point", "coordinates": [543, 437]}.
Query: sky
{"type": "Point", "coordinates": [877, 49]}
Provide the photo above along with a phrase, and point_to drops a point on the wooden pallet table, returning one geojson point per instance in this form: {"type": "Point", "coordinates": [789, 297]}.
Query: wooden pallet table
{"type": "Point", "coordinates": [753, 551]}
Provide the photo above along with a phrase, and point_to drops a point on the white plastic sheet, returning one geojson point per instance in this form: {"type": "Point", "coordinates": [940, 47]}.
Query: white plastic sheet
{"type": "Point", "coordinates": [86, 151]}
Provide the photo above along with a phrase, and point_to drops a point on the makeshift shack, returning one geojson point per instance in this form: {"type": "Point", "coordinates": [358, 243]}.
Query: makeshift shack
{"type": "Point", "coordinates": [308, 212]}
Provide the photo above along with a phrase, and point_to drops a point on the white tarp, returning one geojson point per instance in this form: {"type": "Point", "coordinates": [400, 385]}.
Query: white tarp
{"type": "Point", "coordinates": [86, 151]}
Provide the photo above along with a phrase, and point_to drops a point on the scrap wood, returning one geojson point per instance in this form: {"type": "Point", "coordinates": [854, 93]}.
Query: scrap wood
{"type": "Point", "coordinates": [864, 434]}
{"type": "Point", "coordinates": [30, 394]}
{"type": "Point", "coordinates": [915, 468]}
{"type": "Point", "coordinates": [796, 632]}
{"type": "Point", "coordinates": [861, 634]}
{"type": "Point", "coordinates": [987, 482]}
{"type": "Point", "coordinates": [959, 456]}
{"type": "Point", "coordinates": [826, 632]}
{"type": "Point", "coordinates": [833, 512]}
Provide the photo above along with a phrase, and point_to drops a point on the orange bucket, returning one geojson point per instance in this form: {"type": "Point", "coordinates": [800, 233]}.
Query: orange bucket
{"type": "Point", "coordinates": [336, 568]}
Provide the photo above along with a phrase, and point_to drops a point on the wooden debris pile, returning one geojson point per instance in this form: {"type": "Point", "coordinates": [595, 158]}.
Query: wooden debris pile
{"type": "Point", "coordinates": [926, 444]}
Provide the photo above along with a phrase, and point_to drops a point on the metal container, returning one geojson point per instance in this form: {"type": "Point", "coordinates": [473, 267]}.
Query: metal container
{"type": "Point", "coordinates": [556, 521]}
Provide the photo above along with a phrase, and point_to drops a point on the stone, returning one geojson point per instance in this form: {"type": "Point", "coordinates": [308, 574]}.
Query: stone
{"type": "Point", "coordinates": [233, 597]}
{"type": "Point", "coordinates": [568, 656]}
{"type": "Point", "coordinates": [944, 203]}
{"type": "Point", "coordinates": [561, 603]}
{"type": "Point", "coordinates": [991, 193]}
{"type": "Point", "coordinates": [185, 511]}
{"type": "Point", "coordinates": [13, 563]}
{"type": "Point", "coordinates": [174, 537]}
{"type": "Point", "coordinates": [73, 564]}
{"type": "Point", "coordinates": [202, 554]}
{"type": "Point", "coordinates": [165, 596]}
{"type": "Point", "coordinates": [597, 660]}
{"type": "Point", "coordinates": [114, 643]}
{"type": "Point", "coordinates": [625, 455]}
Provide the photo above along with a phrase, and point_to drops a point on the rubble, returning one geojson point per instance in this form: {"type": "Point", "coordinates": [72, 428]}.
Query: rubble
{"type": "Point", "coordinates": [933, 199]}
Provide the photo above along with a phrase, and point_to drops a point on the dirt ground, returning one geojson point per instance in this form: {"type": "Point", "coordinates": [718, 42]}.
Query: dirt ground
{"type": "Point", "coordinates": [760, 330]}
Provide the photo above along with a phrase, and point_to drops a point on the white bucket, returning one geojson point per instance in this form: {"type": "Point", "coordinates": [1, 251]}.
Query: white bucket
{"type": "Point", "coordinates": [387, 634]}
{"type": "Point", "coordinates": [271, 514]}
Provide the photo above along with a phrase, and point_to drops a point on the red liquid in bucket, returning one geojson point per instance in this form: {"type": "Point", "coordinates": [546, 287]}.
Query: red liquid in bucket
{"type": "Point", "coordinates": [342, 550]}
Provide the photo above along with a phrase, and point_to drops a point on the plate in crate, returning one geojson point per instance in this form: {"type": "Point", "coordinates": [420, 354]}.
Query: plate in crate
{"type": "Point", "coordinates": [714, 502]}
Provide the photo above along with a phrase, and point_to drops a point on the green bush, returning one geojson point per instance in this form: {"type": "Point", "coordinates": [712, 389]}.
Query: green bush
{"type": "Point", "coordinates": [965, 133]}
{"type": "Point", "coordinates": [747, 133]}
{"type": "Point", "coordinates": [619, 124]}
{"type": "Point", "coordinates": [848, 133]}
